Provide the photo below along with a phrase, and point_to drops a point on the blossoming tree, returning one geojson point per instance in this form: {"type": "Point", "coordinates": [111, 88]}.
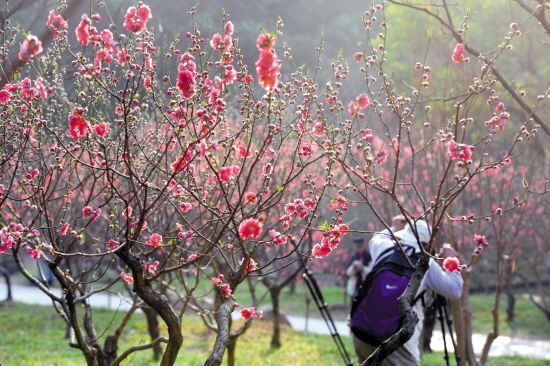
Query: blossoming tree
{"type": "Point", "coordinates": [172, 167]}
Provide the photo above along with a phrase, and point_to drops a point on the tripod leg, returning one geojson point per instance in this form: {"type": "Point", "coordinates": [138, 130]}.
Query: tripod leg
{"type": "Point", "coordinates": [441, 321]}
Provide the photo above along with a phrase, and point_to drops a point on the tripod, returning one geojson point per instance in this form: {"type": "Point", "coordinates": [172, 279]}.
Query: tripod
{"type": "Point", "coordinates": [317, 296]}
{"type": "Point", "coordinates": [442, 307]}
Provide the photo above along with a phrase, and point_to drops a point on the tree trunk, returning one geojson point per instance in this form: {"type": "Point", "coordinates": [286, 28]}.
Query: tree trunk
{"type": "Point", "coordinates": [466, 319]}
{"type": "Point", "coordinates": [159, 303]}
{"type": "Point", "coordinates": [511, 302]}
{"type": "Point", "coordinates": [292, 287]}
{"type": "Point", "coordinates": [231, 346]}
{"type": "Point", "coordinates": [153, 328]}
{"type": "Point", "coordinates": [456, 309]}
{"type": "Point", "coordinates": [8, 284]}
{"type": "Point", "coordinates": [276, 336]}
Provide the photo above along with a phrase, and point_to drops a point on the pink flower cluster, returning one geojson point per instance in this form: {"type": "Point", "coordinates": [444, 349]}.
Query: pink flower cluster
{"type": "Point", "coordinates": [64, 229]}
{"type": "Point", "coordinates": [6, 239]}
{"type": "Point", "coordinates": [250, 228]}
{"type": "Point", "coordinates": [481, 242]}
{"type": "Point", "coordinates": [34, 253]}
{"type": "Point", "coordinates": [498, 121]}
{"type": "Point", "coordinates": [451, 264]}
{"type": "Point", "coordinates": [252, 265]}
{"type": "Point", "coordinates": [268, 65]}
{"type": "Point", "coordinates": [129, 279]}
{"type": "Point", "coordinates": [77, 125]}
{"type": "Point", "coordinates": [56, 22]}
{"type": "Point", "coordinates": [84, 30]}
{"type": "Point", "coordinates": [228, 171]}
{"type": "Point", "coordinates": [88, 212]}
{"type": "Point", "coordinates": [223, 42]}
{"type": "Point", "coordinates": [362, 101]}
{"type": "Point", "coordinates": [248, 313]}
{"type": "Point", "coordinates": [457, 53]}
{"type": "Point", "coordinates": [31, 47]}
{"type": "Point", "coordinates": [460, 151]}
{"type": "Point", "coordinates": [226, 289]}
{"type": "Point", "coordinates": [151, 268]}
{"type": "Point", "coordinates": [187, 72]}
{"type": "Point", "coordinates": [278, 238]}
{"type": "Point", "coordinates": [330, 241]}
{"type": "Point", "coordinates": [155, 240]}
{"type": "Point", "coordinates": [136, 19]}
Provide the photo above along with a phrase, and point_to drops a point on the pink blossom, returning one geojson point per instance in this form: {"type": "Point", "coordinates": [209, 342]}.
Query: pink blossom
{"type": "Point", "coordinates": [35, 253]}
{"type": "Point", "coordinates": [226, 289]}
{"type": "Point", "coordinates": [83, 30]}
{"type": "Point", "coordinates": [5, 96]}
{"type": "Point", "coordinates": [265, 42]}
{"type": "Point", "coordinates": [56, 21]}
{"type": "Point", "coordinates": [250, 197]}
{"type": "Point", "coordinates": [64, 229]}
{"type": "Point", "coordinates": [278, 238]}
{"type": "Point", "coordinates": [481, 240]}
{"type": "Point", "coordinates": [113, 243]}
{"type": "Point", "coordinates": [457, 53]}
{"type": "Point", "coordinates": [351, 109]}
{"type": "Point", "coordinates": [460, 151]}
{"type": "Point", "coordinates": [102, 55]}
{"type": "Point", "coordinates": [381, 156]}
{"type": "Point", "coordinates": [451, 264]}
{"type": "Point", "coordinates": [319, 129]}
{"type": "Point", "coordinates": [230, 74]}
{"type": "Point", "coordinates": [179, 164]}
{"type": "Point", "coordinates": [268, 69]}
{"type": "Point", "coordinates": [321, 250]}
{"type": "Point", "coordinates": [250, 228]}
{"type": "Point", "coordinates": [136, 20]}
{"type": "Point", "coordinates": [87, 211]}
{"type": "Point", "coordinates": [186, 75]}
{"type": "Point", "coordinates": [101, 129]}
{"type": "Point", "coordinates": [77, 125]}
{"type": "Point", "coordinates": [108, 40]}
{"type": "Point", "coordinates": [39, 85]}
{"type": "Point", "coordinates": [31, 47]}
{"type": "Point", "coordinates": [185, 206]}
{"type": "Point", "coordinates": [248, 313]}
{"type": "Point", "coordinates": [191, 257]}
{"type": "Point", "coordinates": [225, 173]}
{"type": "Point", "coordinates": [228, 30]}
{"type": "Point", "coordinates": [155, 240]}
{"type": "Point", "coordinates": [362, 100]}
{"type": "Point", "coordinates": [252, 265]}
{"type": "Point", "coordinates": [96, 214]}
{"type": "Point", "coordinates": [357, 56]}
{"type": "Point", "coordinates": [127, 278]}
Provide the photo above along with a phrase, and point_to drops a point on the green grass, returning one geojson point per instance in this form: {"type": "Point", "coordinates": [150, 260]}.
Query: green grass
{"type": "Point", "coordinates": [529, 322]}
{"type": "Point", "coordinates": [33, 335]}
{"type": "Point", "coordinates": [436, 359]}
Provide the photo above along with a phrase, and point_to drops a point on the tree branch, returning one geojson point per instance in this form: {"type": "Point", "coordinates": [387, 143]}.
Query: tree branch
{"type": "Point", "coordinates": [222, 338]}
{"type": "Point", "coordinates": [141, 347]}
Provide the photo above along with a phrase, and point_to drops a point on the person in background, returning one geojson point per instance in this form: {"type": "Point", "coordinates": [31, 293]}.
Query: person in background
{"type": "Point", "coordinates": [447, 284]}
{"type": "Point", "coordinates": [360, 263]}
{"type": "Point", "coordinates": [358, 267]}
{"type": "Point", "coordinates": [398, 223]}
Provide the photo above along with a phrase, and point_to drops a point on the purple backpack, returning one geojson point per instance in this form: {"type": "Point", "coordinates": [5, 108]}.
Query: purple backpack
{"type": "Point", "coordinates": [375, 315]}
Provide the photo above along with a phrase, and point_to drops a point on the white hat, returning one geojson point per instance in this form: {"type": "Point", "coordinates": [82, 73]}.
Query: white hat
{"type": "Point", "coordinates": [422, 229]}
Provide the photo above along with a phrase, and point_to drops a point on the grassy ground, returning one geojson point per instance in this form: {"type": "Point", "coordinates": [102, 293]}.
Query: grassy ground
{"type": "Point", "coordinates": [33, 335]}
{"type": "Point", "coordinates": [529, 321]}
